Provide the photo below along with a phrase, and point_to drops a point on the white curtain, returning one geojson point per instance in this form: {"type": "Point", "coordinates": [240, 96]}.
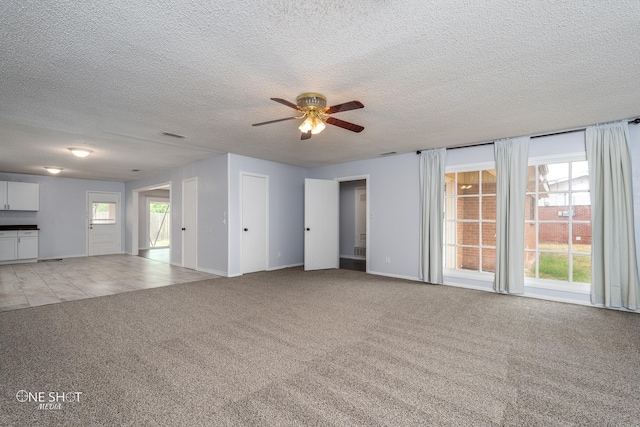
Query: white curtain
{"type": "Point", "coordinates": [432, 164]}
{"type": "Point", "coordinates": [511, 174]}
{"type": "Point", "coordinates": [614, 280]}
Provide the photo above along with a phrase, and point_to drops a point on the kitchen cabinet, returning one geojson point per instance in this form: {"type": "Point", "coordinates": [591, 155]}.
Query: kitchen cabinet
{"type": "Point", "coordinates": [27, 244]}
{"type": "Point", "coordinates": [18, 245]}
{"type": "Point", "coordinates": [8, 245]}
{"type": "Point", "coordinates": [19, 196]}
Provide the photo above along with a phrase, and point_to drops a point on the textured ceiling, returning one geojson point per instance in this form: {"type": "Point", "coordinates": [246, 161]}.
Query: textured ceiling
{"type": "Point", "coordinates": [113, 75]}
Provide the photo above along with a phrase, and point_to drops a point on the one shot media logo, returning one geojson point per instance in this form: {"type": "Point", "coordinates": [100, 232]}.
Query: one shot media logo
{"type": "Point", "coordinates": [48, 400]}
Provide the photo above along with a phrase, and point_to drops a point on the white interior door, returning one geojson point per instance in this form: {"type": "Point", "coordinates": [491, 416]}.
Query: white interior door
{"type": "Point", "coordinates": [321, 219]}
{"type": "Point", "coordinates": [254, 223]}
{"type": "Point", "coordinates": [189, 223]}
{"type": "Point", "coordinates": [105, 225]}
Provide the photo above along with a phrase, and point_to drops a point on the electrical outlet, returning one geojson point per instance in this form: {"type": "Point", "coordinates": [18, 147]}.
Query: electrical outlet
{"type": "Point", "coordinates": [388, 260]}
{"type": "Point", "coordinates": [279, 254]}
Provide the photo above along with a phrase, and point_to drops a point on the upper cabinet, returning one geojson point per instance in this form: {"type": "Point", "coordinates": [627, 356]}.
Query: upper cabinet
{"type": "Point", "coordinates": [19, 196]}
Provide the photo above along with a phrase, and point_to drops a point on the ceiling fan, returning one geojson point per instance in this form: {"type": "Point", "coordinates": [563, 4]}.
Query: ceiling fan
{"type": "Point", "coordinates": [315, 113]}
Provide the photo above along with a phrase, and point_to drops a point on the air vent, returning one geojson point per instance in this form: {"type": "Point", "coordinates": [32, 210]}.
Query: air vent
{"type": "Point", "coordinates": [174, 135]}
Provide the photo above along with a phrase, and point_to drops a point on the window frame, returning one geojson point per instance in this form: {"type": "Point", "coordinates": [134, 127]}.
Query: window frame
{"type": "Point", "coordinates": [551, 284]}
{"type": "Point", "coordinates": [468, 274]}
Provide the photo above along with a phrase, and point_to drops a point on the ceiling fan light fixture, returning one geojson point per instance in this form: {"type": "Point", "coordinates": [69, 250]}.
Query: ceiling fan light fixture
{"type": "Point", "coordinates": [318, 126]}
{"type": "Point", "coordinates": [312, 123]}
{"type": "Point", "coordinates": [80, 152]}
{"type": "Point", "coordinates": [53, 170]}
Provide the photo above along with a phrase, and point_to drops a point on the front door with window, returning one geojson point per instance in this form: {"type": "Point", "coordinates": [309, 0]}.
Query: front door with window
{"type": "Point", "coordinates": [104, 223]}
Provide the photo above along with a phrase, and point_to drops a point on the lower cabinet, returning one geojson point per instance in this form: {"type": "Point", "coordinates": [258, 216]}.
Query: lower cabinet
{"type": "Point", "coordinates": [8, 245]}
{"type": "Point", "coordinates": [27, 244]}
{"type": "Point", "coordinates": [18, 245]}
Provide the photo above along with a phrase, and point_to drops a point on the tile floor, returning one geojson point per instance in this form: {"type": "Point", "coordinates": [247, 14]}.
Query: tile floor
{"type": "Point", "coordinates": [48, 282]}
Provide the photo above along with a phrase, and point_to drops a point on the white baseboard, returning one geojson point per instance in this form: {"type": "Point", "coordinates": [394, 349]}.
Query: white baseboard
{"type": "Point", "coordinates": [468, 286]}
{"type": "Point", "coordinates": [281, 267]}
{"type": "Point", "coordinates": [395, 276]}
{"type": "Point", "coordinates": [212, 271]}
{"type": "Point", "coordinates": [62, 257]}
{"type": "Point", "coordinates": [234, 275]}
{"type": "Point", "coordinates": [18, 261]}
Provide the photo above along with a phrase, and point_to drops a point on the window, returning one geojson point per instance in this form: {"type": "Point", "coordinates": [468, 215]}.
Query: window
{"type": "Point", "coordinates": [103, 213]}
{"type": "Point", "coordinates": [470, 220]}
{"type": "Point", "coordinates": [558, 222]}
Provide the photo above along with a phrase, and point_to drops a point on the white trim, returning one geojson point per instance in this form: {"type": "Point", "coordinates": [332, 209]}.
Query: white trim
{"type": "Point", "coordinates": [18, 261]}
{"type": "Point", "coordinates": [558, 285]}
{"type": "Point", "coordinates": [395, 276]}
{"type": "Point", "coordinates": [470, 286]}
{"type": "Point", "coordinates": [281, 267]}
{"type": "Point", "coordinates": [213, 271]}
{"type": "Point", "coordinates": [62, 257]}
{"type": "Point", "coordinates": [558, 158]}
{"type": "Point", "coordinates": [469, 274]}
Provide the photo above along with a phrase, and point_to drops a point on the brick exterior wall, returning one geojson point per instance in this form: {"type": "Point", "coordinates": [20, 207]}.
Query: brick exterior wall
{"type": "Point", "coordinates": [559, 233]}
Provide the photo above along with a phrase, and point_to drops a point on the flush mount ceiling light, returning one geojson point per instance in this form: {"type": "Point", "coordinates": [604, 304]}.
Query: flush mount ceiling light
{"type": "Point", "coordinates": [315, 113]}
{"type": "Point", "coordinates": [80, 152]}
{"type": "Point", "coordinates": [54, 170]}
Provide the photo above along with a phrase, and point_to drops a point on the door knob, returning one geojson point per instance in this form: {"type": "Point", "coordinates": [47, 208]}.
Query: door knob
{"type": "Point", "coordinates": [183, 228]}
{"type": "Point", "coordinates": [246, 229]}
{"type": "Point", "coordinates": [308, 229]}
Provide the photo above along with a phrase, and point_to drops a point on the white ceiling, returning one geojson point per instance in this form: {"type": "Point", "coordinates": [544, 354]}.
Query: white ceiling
{"type": "Point", "coordinates": [113, 75]}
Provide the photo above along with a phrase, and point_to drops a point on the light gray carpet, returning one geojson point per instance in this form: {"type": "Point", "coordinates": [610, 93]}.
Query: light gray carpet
{"type": "Point", "coordinates": [321, 348]}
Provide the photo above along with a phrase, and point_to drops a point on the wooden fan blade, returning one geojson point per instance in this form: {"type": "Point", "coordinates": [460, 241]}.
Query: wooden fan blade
{"type": "Point", "coordinates": [344, 125]}
{"type": "Point", "coordinates": [273, 121]}
{"type": "Point", "coordinates": [353, 105]}
{"type": "Point", "coordinates": [305, 135]}
{"type": "Point", "coordinates": [285, 102]}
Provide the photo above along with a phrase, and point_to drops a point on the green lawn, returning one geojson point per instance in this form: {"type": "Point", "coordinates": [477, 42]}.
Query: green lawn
{"type": "Point", "coordinates": [556, 266]}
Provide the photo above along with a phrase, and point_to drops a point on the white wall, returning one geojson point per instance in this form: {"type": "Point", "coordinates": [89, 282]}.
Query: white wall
{"type": "Point", "coordinates": [394, 210]}
{"type": "Point", "coordinates": [212, 208]}
{"type": "Point", "coordinates": [62, 217]}
{"type": "Point", "coordinates": [286, 208]}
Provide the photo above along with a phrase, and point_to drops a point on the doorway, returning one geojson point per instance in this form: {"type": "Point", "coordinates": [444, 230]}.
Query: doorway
{"type": "Point", "coordinates": [337, 229]}
{"type": "Point", "coordinates": [353, 224]}
{"type": "Point", "coordinates": [154, 223]}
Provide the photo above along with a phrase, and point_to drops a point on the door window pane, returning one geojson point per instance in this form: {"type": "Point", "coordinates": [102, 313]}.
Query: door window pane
{"type": "Point", "coordinates": [103, 213]}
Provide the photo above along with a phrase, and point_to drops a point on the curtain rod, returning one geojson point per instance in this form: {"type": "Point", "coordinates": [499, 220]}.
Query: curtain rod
{"type": "Point", "coordinates": [631, 122]}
